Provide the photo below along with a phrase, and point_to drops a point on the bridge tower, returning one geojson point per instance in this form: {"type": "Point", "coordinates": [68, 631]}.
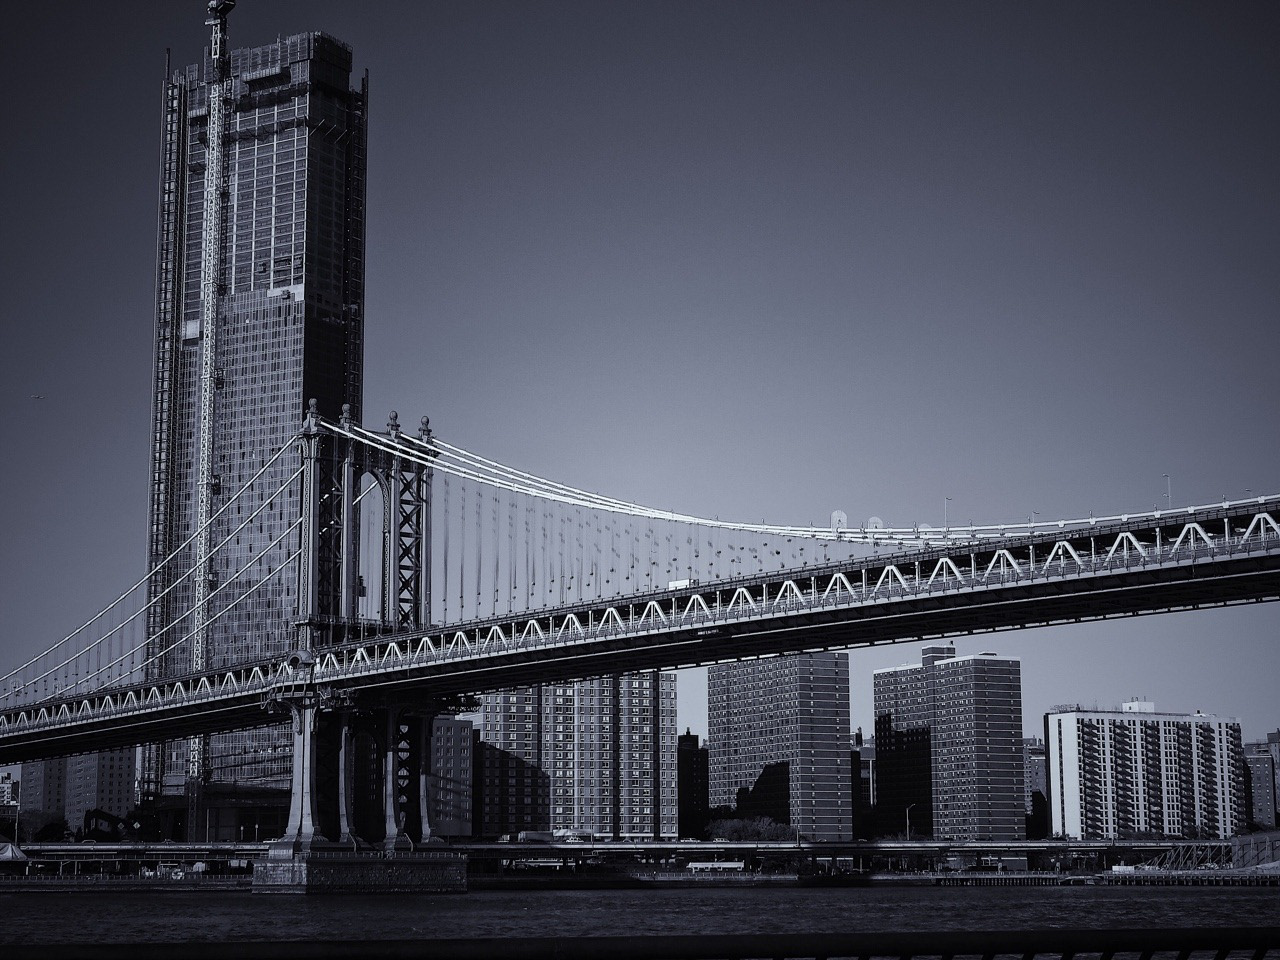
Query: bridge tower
{"type": "Point", "coordinates": [334, 732]}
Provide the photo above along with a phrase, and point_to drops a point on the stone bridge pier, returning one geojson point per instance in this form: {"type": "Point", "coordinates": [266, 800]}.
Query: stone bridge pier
{"type": "Point", "coordinates": [359, 814]}
{"type": "Point", "coordinates": [360, 779]}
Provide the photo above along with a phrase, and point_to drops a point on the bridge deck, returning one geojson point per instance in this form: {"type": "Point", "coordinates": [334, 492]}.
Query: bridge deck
{"type": "Point", "coordinates": [1212, 557]}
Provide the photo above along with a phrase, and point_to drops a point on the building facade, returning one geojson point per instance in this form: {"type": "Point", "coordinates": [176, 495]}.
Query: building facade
{"type": "Point", "coordinates": [1035, 769]}
{"type": "Point", "coordinates": [1133, 771]}
{"type": "Point", "coordinates": [862, 760]}
{"type": "Point", "coordinates": [1269, 747]}
{"type": "Point", "coordinates": [100, 781]}
{"type": "Point", "coordinates": [290, 327]}
{"type": "Point", "coordinates": [778, 735]}
{"type": "Point", "coordinates": [1036, 775]}
{"type": "Point", "coordinates": [69, 787]}
{"type": "Point", "coordinates": [692, 784]}
{"type": "Point", "coordinates": [449, 785]}
{"type": "Point", "coordinates": [44, 793]}
{"type": "Point", "coordinates": [1262, 784]}
{"type": "Point", "coordinates": [510, 790]}
{"type": "Point", "coordinates": [949, 751]}
{"type": "Point", "coordinates": [596, 756]}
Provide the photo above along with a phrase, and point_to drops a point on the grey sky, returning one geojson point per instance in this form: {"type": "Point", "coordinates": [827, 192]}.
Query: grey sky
{"type": "Point", "coordinates": [760, 260]}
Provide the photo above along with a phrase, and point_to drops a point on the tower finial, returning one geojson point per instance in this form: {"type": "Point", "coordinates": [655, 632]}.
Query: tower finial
{"type": "Point", "coordinates": [311, 422]}
{"type": "Point", "coordinates": [393, 424]}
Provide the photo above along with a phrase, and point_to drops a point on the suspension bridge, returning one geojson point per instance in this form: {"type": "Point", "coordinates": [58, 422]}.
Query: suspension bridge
{"type": "Point", "coordinates": [536, 581]}
{"type": "Point", "coordinates": [412, 569]}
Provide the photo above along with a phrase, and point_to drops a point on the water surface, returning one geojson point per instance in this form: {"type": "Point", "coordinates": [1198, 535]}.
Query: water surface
{"type": "Point", "coordinates": [142, 917]}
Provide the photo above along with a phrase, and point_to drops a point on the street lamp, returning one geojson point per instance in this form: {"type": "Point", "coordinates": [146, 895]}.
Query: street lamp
{"type": "Point", "coordinates": [909, 806]}
{"type": "Point", "coordinates": [945, 501]}
{"type": "Point", "coordinates": [1168, 491]}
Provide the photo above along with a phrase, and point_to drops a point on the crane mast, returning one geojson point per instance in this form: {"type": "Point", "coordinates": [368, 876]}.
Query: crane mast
{"type": "Point", "coordinates": [212, 291]}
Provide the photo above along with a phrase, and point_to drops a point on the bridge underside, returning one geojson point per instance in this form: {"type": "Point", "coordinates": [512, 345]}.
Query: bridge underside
{"type": "Point", "coordinates": [1133, 592]}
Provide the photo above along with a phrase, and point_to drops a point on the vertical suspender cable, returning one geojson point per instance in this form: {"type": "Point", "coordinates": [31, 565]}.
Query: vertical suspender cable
{"type": "Point", "coordinates": [560, 529]}
{"type": "Point", "coordinates": [444, 593]}
{"type": "Point", "coordinates": [462, 554]}
{"type": "Point", "coordinates": [496, 553]}
{"type": "Point", "coordinates": [479, 546]}
{"type": "Point", "coordinates": [511, 549]}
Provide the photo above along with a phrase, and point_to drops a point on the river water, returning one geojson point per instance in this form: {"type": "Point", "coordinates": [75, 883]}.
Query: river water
{"type": "Point", "coordinates": [133, 918]}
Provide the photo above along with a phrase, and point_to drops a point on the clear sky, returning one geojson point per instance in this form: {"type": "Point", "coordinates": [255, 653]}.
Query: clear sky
{"type": "Point", "coordinates": [754, 260]}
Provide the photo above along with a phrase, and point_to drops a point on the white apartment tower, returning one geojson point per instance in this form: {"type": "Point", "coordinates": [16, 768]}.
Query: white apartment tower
{"type": "Point", "coordinates": [1118, 773]}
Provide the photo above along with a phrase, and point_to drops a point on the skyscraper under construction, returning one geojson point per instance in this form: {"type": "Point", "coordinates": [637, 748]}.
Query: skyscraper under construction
{"type": "Point", "coordinates": [255, 314]}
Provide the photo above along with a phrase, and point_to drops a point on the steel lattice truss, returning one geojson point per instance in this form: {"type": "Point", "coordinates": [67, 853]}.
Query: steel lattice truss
{"type": "Point", "coordinates": [1201, 557]}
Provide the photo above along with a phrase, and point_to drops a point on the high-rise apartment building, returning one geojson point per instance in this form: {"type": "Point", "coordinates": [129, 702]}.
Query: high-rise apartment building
{"type": "Point", "coordinates": [903, 704]}
{"type": "Point", "coordinates": [1035, 769]}
{"type": "Point", "coordinates": [949, 751]}
{"type": "Point", "coordinates": [596, 756]}
{"type": "Point", "coordinates": [862, 759]}
{"type": "Point", "coordinates": [510, 790]}
{"type": "Point", "coordinates": [692, 783]}
{"type": "Point", "coordinates": [1270, 747]}
{"type": "Point", "coordinates": [778, 734]}
{"type": "Point", "coordinates": [1262, 783]}
{"type": "Point", "coordinates": [449, 783]}
{"type": "Point", "coordinates": [69, 787]}
{"type": "Point", "coordinates": [289, 291]}
{"type": "Point", "coordinates": [44, 792]}
{"type": "Point", "coordinates": [1036, 791]}
{"type": "Point", "coordinates": [100, 781]}
{"type": "Point", "coordinates": [1116, 773]}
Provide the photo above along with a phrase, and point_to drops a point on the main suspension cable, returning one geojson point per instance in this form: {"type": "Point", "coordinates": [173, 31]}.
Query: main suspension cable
{"type": "Point", "coordinates": [156, 569]}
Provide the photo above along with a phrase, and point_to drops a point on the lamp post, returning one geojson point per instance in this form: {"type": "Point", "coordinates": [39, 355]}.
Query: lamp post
{"type": "Point", "coordinates": [945, 501]}
{"type": "Point", "coordinates": [909, 806]}
{"type": "Point", "coordinates": [1168, 492]}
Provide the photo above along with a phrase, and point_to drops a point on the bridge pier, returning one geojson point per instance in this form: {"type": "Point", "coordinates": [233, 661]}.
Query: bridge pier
{"type": "Point", "coordinates": [306, 860]}
{"type": "Point", "coordinates": [398, 762]}
{"type": "Point", "coordinates": [300, 834]}
{"type": "Point", "coordinates": [334, 735]}
{"type": "Point", "coordinates": [346, 779]}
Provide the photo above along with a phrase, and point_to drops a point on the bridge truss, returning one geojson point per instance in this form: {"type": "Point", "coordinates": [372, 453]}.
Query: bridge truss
{"type": "Point", "coordinates": [909, 584]}
{"type": "Point", "coordinates": [372, 662]}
